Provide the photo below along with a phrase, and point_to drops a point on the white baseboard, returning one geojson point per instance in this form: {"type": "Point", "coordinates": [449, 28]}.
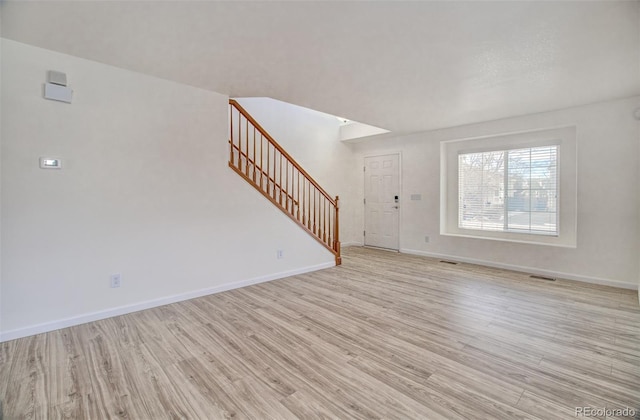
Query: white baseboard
{"type": "Point", "coordinates": [525, 269]}
{"type": "Point", "coordinates": [351, 243]}
{"type": "Point", "coordinates": [135, 307]}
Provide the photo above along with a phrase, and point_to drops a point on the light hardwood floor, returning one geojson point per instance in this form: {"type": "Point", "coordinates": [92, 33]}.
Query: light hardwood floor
{"type": "Point", "coordinates": [384, 335]}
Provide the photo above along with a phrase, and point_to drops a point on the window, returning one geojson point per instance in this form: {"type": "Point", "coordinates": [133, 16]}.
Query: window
{"type": "Point", "coordinates": [509, 190]}
{"type": "Point", "coordinates": [515, 187]}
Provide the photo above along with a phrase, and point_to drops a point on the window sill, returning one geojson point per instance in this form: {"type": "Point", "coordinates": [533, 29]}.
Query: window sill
{"type": "Point", "coordinates": [553, 240]}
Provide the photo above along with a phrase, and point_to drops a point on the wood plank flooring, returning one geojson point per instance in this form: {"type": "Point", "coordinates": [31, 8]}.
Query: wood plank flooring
{"type": "Point", "coordinates": [384, 335]}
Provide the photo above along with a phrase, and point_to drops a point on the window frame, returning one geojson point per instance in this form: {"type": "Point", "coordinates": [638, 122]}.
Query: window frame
{"type": "Point", "coordinates": [506, 190]}
{"type": "Point", "coordinates": [563, 137]}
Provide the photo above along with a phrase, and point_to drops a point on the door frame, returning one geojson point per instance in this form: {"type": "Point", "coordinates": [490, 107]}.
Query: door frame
{"type": "Point", "coordinates": [364, 190]}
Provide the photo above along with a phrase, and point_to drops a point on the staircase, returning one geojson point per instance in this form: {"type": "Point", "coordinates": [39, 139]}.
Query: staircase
{"type": "Point", "coordinates": [264, 164]}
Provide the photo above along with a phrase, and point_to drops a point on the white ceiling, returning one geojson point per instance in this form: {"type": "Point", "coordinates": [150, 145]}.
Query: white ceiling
{"type": "Point", "coordinates": [403, 66]}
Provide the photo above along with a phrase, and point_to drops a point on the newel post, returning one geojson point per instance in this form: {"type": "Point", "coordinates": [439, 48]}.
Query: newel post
{"type": "Point", "coordinates": [336, 233]}
{"type": "Point", "coordinates": [231, 134]}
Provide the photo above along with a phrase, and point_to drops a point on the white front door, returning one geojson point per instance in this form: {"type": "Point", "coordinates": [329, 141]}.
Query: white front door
{"type": "Point", "coordinates": [382, 201]}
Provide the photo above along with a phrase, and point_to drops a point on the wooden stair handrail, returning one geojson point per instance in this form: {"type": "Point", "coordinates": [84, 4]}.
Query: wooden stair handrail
{"type": "Point", "coordinates": [281, 180]}
{"type": "Point", "coordinates": [280, 149]}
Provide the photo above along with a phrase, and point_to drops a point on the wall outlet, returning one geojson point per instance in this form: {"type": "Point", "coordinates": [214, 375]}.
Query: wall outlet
{"type": "Point", "coordinates": [426, 239]}
{"type": "Point", "coordinates": [116, 280]}
{"type": "Point", "coordinates": [280, 254]}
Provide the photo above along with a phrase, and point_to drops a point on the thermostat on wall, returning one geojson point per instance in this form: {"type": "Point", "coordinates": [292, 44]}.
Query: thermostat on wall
{"type": "Point", "coordinates": [50, 163]}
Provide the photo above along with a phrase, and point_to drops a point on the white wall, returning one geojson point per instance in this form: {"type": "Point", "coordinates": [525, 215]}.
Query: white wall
{"type": "Point", "coordinates": [145, 191]}
{"type": "Point", "coordinates": [312, 138]}
{"type": "Point", "coordinates": [355, 130]}
{"type": "Point", "coordinates": [608, 197]}
{"type": "Point", "coordinates": [1, 43]}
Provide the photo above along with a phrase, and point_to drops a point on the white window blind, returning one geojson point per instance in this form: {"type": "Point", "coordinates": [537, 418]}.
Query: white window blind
{"type": "Point", "coordinates": [509, 190]}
